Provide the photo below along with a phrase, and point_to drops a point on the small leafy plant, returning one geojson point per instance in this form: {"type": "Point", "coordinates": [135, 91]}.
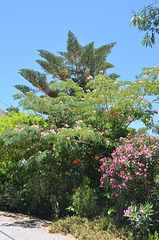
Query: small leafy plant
{"type": "Point", "coordinates": [84, 200]}
{"type": "Point", "coordinates": [140, 217]}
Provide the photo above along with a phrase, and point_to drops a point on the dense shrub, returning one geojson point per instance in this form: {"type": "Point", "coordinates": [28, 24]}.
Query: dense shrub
{"type": "Point", "coordinates": [43, 160]}
{"type": "Point", "coordinates": [11, 120]}
{"type": "Point", "coordinates": [131, 175]}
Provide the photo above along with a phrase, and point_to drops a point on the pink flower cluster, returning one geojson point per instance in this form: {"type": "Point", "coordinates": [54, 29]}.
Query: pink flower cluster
{"type": "Point", "coordinates": [133, 159]}
{"type": "Point", "coordinates": [128, 211]}
{"type": "Point", "coordinates": [131, 209]}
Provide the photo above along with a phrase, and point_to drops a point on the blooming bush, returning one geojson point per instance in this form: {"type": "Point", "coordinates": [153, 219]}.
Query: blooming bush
{"type": "Point", "coordinates": [131, 171]}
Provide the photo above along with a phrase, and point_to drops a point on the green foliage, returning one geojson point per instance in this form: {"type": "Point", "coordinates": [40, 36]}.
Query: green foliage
{"type": "Point", "coordinates": [147, 20]}
{"type": "Point", "coordinates": [57, 152]}
{"type": "Point", "coordinates": [90, 229]}
{"type": "Point", "coordinates": [154, 199]}
{"type": "Point", "coordinates": [131, 174]}
{"type": "Point", "coordinates": [44, 160]}
{"type": "Point", "coordinates": [154, 236]}
{"type": "Point", "coordinates": [140, 218]}
{"type": "Point", "coordinates": [77, 63]}
{"type": "Point", "coordinates": [13, 120]}
{"type": "Point", "coordinates": [84, 200]}
{"type": "Point", "coordinates": [119, 104]}
{"type": "Point", "coordinates": [12, 109]}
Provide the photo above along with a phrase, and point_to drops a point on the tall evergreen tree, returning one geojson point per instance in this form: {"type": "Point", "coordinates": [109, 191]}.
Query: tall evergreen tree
{"type": "Point", "coordinates": [77, 63]}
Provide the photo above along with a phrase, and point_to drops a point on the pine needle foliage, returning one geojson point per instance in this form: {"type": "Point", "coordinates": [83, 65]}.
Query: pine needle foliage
{"type": "Point", "coordinates": [77, 63]}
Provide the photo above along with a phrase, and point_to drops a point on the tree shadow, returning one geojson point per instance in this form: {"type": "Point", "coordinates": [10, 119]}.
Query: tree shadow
{"type": "Point", "coordinates": [19, 220]}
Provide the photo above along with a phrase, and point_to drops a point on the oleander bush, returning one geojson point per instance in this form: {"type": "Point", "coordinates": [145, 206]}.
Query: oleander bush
{"type": "Point", "coordinates": [131, 176]}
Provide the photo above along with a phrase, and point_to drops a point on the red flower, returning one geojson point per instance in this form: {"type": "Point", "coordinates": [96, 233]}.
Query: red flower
{"type": "Point", "coordinates": [63, 187]}
{"type": "Point", "coordinates": [155, 111]}
{"type": "Point", "coordinates": [76, 161]}
{"type": "Point", "coordinates": [89, 152]}
{"type": "Point", "coordinates": [3, 201]}
{"type": "Point", "coordinates": [97, 157]}
{"type": "Point", "coordinates": [114, 113]}
{"type": "Point", "coordinates": [73, 190]}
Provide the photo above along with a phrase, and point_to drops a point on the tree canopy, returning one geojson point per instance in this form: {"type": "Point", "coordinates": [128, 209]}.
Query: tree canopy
{"type": "Point", "coordinates": [77, 63]}
{"type": "Point", "coordinates": [147, 20]}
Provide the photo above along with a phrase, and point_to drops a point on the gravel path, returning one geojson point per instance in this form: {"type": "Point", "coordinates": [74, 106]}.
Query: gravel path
{"type": "Point", "coordinates": [22, 227]}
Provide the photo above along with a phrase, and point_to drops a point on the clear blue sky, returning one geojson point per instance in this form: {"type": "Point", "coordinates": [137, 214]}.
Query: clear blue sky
{"type": "Point", "coordinates": [28, 25]}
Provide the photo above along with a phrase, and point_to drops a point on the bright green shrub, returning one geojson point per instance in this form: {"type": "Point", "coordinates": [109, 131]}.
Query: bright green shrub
{"type": "Point", "coordinates": [12, 120]}
{"type": "Point", "coordinates": [84, 200]}
{"type": "Point", "coordinates": [154, 236]}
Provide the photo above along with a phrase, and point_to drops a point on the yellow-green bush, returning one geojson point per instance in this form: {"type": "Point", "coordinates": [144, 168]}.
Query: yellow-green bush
{"type": "Point", "coordinates": [11, 120]}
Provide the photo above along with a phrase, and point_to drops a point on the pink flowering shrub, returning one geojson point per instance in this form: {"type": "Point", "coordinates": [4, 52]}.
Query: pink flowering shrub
{"type": "Point", "coordinates": [132, 169]}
